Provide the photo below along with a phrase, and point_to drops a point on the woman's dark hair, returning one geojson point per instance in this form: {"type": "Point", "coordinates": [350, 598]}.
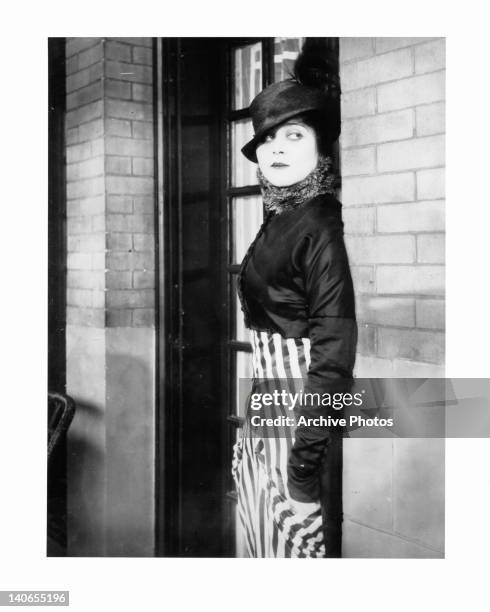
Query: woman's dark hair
{"type": "Point", "coordinates": [326, 127]}
{"type": "Point", "coordinates": [316, 69]}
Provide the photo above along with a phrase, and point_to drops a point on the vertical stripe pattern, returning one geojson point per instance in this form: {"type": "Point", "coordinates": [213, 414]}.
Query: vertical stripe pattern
{"type": "Point", "coordinates": [270, 525]}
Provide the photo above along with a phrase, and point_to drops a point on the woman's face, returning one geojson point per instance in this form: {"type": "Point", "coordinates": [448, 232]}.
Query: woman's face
{"type": "Point", "coordinates": [288, 153]}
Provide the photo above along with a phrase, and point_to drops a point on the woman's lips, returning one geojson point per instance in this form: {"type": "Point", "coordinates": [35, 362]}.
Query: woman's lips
{"type": "Point", "coordinates": [279, 165]}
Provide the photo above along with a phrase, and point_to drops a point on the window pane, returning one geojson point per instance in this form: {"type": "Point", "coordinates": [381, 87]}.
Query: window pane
{"type": "Point", "coordinates": [246, 219]}
{"type": "Point", "coordinates": [243, 171]}
{"type": "Point", "coordinates": [244, 375]}
{"type": "Point", "coordinates": [285, 52]}
{"type": "Point", "coordinates": [247, 74]}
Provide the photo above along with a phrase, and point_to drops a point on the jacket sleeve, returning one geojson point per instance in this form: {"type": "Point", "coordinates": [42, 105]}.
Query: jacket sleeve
{"type": "Point", "coordinates": [329, 298]}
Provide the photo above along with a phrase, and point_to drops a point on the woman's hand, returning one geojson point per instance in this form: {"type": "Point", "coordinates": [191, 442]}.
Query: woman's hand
{"type": "Point", "coordinates": [304, 508]}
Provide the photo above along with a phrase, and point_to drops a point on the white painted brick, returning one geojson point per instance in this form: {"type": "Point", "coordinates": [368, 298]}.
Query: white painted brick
{"type": "Point", "coordinates": [411, 344]}
{"type": "Point", "coordinates": [413, 153]}
{"type": "Point", "coordinates": [97, 147]}
{"type": "Point", "coordinates": [93, 206]}
{"type": "Point", "coordinates": [75, 153]}
{"type": "Point", "coordinates": [83, 114]}
{"type": "Point", "coordinates": [85, 317]}
{"type": "Point", "coordinates": [430, 56]}
{"type": "Point", "coordinates": [82, 78]}
{"type": "Point", "coordinates": [85, 188]}
{"type": "Point", "coordinates": [98, 261]}
{"type": "Point", "coordinates": [358, 161]}
{"type": "Point", "coordinates": [79, 297]}
{"type": "Point", "coordinates": [79, 261]}
{"type": "Point", "coordinates": [431, 184]}
{"type": "Point", "coordinates": [412, 91]}
{"type": "Point", "coordinates": [358, 103]}
{"type": "Point", "coordinates": [90, 56]}
{"type": "Point", "coordinates": [117, 241]}
{"type": "Point", "coordinates": [380, 249]}
{"type": "Point", "coordinates": [118, 127]}
{"type": "Point", "coordinates": [129, 147]}
{"type": "Point", "coordinates": [359, 220]}
{"type": "Point", "coordinates": [143, 317]}
{"type": "Point", "coordinates": [142, 55]}
{"type": "Point", "coordinates": [366, 341]}
{"type": "Point", "coordinates": [143, 93]}
{"type": "Point", "coordinates": [363, 278]}
{"type": "Point", "coordinates": [430, 119]}
{"type": "Point", "coordinates": [128, 72]}
{"type": "Point", "coordinates": [142, 166]}
{"type": "Point", "coordinates": [118, 317]}
{"type": "Point", "coordinates": [98, 223]}
{"type": "Point", "coordinates": [79, 43]}
{"type": "Point", "coordinates": [83, 96]}
{"type": "Point", "coordinates": [386, 310]}
{"type": "Point", "coordinates": [379, 128]}
{"type": "Point", "coordinates": [85, 279]}
{"type": "Point", "coordinates": [118, 165]}
{"type": "Point", "coordinates": [414, 217]}
{"type": "Point", "coordinates": [122, 109]}
{"type": "Point", "coordinates": [141, 42]}
{"type": "Point", "coordinates": [85, 169]}
{"type": "Point", "coordinates": [72, 136]}
{"type": "Point", "coordinates": [430, 314]}
{"type": "Point", "coordinates": [143, 242]}
{"type": "Point", "coordinates": [355, 48]}
{"type": "Point", "coordinates": [431, 248]}
{"type": "Point", "coordinates": [378, 189]}
{"type": "Point", "coordinates": [119, 204]}
{"type": "Point", "coordinates": [90, 243]}
{"type": "Point", "coordinates": [128, 298]}
{"type": "Point", "coordinates": [415, 369]}
{"type": "Point", "coordinates": [378, 69]}
{"type": "Point", "coordinates": [92, 129]}
{"type": "Point", "coordinates": [73, 208]}
{"type": "Point", "coordinates": [122, 185]}
{"type": "Point", "coordinates": [388, 44]}
{"type": "Point", "coordinates": [116, 51]}
{"type": "Point", "coordinates": [423, 280]}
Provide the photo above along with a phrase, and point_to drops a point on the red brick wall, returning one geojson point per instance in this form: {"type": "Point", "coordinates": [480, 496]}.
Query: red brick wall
{"type": "Point", "coordinates": [392, 154]}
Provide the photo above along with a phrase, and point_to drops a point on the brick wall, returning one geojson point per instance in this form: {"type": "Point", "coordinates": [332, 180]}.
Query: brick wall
{"type": "Point", "coordinates": [110, 295]}
{"type": "Point", "coordinates": [392, 155]}
{"type": "Point", "coordinates": [110, 182]}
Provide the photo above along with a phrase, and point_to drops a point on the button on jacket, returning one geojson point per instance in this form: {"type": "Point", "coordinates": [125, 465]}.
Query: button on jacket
{"type": "Point", "coordinates": [295, 280]}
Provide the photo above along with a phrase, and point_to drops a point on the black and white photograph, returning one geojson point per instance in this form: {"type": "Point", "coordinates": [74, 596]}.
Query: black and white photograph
{"type": "Point", "coordinates": [255, 341]}
{"type": "Point", "coordinates": [224, 209]}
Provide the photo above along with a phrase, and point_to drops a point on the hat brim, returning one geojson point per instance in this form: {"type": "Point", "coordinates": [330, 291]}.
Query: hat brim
{"type": "Point", "coordinates": [250, 148]}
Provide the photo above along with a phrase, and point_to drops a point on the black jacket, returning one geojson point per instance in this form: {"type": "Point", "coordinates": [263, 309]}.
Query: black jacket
{"type": "Point", "coordinates": [295, 280]}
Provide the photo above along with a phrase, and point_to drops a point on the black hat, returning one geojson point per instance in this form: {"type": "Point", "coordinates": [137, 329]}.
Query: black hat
{"type": "Point", "coordinates": [278, 103]}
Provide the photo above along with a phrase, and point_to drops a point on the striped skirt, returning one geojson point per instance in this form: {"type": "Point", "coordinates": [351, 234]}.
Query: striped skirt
{"type": "Point", "coordinates": [269, 524]}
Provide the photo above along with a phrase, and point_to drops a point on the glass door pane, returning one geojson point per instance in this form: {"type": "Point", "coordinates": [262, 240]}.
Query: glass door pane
{"type": "Point", "coordinates": [246, 219]}
{"type": "Point", "coordinates": [243, 171]}
{"type": "Point", "coordinates": [247, 74]}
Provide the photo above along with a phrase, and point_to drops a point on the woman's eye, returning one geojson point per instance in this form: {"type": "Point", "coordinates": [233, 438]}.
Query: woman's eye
{"type": "Point", "coordinates": [295, 135]}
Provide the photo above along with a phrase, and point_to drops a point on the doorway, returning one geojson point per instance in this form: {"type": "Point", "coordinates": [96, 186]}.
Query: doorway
{"type": "Point", "coordinates": [209, 211]}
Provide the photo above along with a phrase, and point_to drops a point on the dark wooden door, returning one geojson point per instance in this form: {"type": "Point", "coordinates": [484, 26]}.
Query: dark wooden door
{"type": "Point", "coordinates": [192, 515]}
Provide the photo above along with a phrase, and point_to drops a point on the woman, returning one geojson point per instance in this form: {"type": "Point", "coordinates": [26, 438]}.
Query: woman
{"type": "Point", "coordinates": [297, 297]}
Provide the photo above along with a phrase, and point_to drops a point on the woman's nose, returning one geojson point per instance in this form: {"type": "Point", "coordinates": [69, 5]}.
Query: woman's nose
{"type": "Point", "coordinates": [278, 145]}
